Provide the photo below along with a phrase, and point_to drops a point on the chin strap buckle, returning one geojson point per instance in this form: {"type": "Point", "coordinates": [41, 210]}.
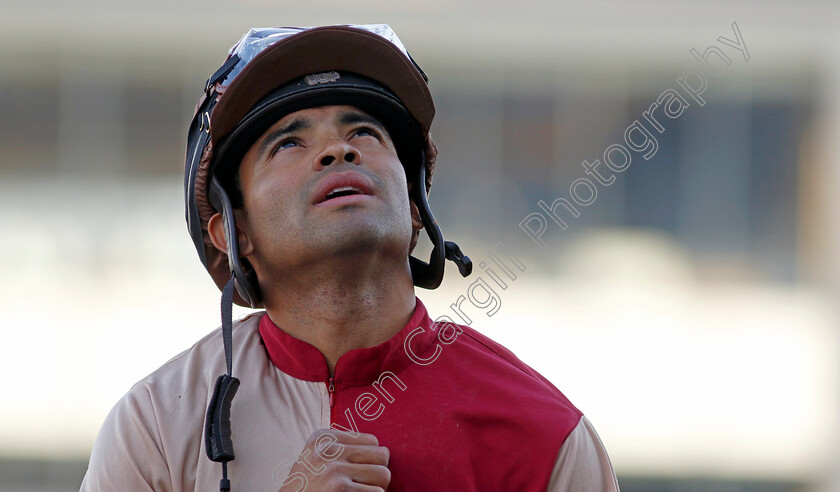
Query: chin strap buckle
{"type": "Point", "coordinates": [454, 254]}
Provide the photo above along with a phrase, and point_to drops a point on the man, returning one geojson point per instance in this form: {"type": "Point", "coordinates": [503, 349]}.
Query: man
{"type": "Point", "coordinates": [308, 164]}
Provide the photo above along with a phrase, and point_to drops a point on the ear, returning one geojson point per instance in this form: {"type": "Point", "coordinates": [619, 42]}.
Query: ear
{"type": "Point", "coordinates": [216, 231]}
{"type": "Point", "coordinates": [416, 222]}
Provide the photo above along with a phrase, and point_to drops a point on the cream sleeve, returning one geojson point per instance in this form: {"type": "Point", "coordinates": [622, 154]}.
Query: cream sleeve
{"type": "Point", "coordinates": [582, 464]}
{"type": "Point", "coordinates": [127, 454]}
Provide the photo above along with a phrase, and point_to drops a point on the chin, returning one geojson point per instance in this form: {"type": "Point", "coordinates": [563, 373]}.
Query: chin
{"type": "Point", "coordinates": [365, 238]}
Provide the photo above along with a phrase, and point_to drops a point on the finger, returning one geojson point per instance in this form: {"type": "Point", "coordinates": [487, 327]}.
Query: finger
{"type": "Point", "coordinates": [375, 475]}
{"type": "Point", "coordinates": [358, 487]}
{"type": "Point", "coordinates": [343, 437]}
{"type": "Point", "coordinates": [370, 455]}
{"type": "Point", "coordinates": [360, 438]}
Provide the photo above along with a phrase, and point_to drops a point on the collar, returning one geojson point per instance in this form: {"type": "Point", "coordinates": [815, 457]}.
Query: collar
{"type": "Point", "coordinates": [357, 367]}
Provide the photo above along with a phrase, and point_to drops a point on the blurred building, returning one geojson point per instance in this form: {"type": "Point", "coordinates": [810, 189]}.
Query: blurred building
{"type": "Point", "coordinates": [688, 306]}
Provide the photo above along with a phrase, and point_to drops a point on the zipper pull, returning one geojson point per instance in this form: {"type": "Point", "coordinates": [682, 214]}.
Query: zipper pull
{"type": "Point", "coordinates": [331, 391]}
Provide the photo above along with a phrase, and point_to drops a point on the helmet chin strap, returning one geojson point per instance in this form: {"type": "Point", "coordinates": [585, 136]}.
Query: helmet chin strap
{"type": "Point", "coordinates": [217, 429]}
{"type": "Point", "coordinates": [429, 275]}
{"type": "Point", "coordinates": [245, 279]}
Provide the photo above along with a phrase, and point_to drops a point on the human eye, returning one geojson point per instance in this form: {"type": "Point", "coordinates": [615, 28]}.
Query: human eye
{"type": "Point", "coordinates": [367, 131]}
{"type": "Point", "coordinates": [283, 144]}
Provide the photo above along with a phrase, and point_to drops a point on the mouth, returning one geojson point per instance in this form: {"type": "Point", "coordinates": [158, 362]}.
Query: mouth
{"type": "Point", "coordinates": [340, 185]}
{"type": "Point", "coordinates": [343, 191]}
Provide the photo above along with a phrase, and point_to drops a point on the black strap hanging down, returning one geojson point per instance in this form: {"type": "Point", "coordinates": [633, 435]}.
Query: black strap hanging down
{"type": "Point", "coordinates": [217, 431]}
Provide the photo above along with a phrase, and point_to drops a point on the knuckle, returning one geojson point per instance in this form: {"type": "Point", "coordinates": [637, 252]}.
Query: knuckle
{"type": "Point", "coordinates": [319, 434]}
{"type": "Point", "coordinates": [337, 469]}
{"type": "Point", "coordinates": [368, 439]}
{"type": "Point", "coordinates": [344, 437]}
{"type": "Point", "coordinates": [343, 485]}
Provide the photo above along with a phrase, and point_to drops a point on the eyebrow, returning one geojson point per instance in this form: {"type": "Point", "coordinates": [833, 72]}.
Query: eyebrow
{"type": "Point", "coordinates": [282, 132]}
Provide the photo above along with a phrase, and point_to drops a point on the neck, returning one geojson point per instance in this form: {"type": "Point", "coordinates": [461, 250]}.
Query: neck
{"type": "Point", "coordinates": [339, 308]}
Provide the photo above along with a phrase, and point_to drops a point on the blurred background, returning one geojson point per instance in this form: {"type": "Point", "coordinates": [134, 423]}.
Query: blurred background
{"type": "Point", "coordinates": [690, 310]}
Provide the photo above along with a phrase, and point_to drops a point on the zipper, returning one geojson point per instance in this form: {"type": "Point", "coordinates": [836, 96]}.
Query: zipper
{"type": "Point", "coordinates": [331, 391]}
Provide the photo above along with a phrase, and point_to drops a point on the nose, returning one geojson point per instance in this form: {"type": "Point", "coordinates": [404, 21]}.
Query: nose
{"type": "Point", "coordinates": [337, 151]}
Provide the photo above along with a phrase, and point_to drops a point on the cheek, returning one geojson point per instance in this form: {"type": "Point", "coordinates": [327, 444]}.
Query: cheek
{"type": "Point", "coordinates": [270, 209]}
{"type": "Point", "coordinates": [399, 190]}
{"type": "Point", "coordinates": [270, 190]}
{"type": "Point", "coordinates": [404, 210]}
{"type": "Point", "coordinates": [397, 178]}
